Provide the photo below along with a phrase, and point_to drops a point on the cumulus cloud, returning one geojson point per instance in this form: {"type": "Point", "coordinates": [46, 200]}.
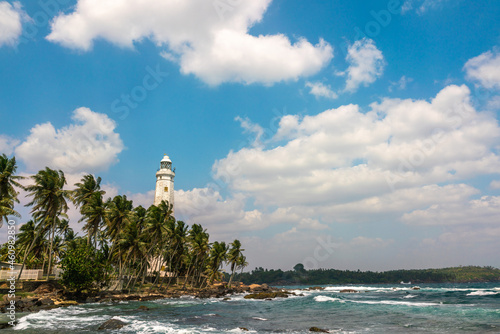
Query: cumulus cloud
{"type": "Point", "coordinates": [485, 69]}
{"type": "Point", "coordinates": [485, 210]}
{"type": "Point", "coordinates": [495, 184]}
{"type": "Point", "coordinates": [319, 89]}
{"type": "Point", "coordinates": [343, 155]}
{"type": "Point", "coordinates": [366, 64]}
{"type": "Point", "coordinates": [7, 144]}
{"type": "Point", "coordinates": [90, 144]}
{"type": "Point", "coordinates": [401, 162]}
{"type": "Point", "coordinates": [206, 38]}
{"type": "Point", "coordinates": [11, 18]}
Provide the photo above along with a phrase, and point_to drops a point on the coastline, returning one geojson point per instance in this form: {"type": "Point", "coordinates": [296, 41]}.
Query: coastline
{"type": "Point", "coordinates": [49, 296]}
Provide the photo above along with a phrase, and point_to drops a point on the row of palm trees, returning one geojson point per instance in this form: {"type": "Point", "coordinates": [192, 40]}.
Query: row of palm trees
{"type": "Point", "coordinates": [137, 242]}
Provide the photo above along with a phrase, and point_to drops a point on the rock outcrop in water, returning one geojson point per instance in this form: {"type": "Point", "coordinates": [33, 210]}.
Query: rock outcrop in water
{"type": "Point", "coordinates": [112, 324]}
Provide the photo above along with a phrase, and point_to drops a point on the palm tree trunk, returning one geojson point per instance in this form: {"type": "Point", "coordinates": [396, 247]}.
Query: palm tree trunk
{"type": "Point", "coordinates": [50, 249]}
{"type": "Point", "coordinates": [26, 255]}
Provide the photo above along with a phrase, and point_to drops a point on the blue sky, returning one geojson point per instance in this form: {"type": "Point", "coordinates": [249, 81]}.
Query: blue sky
{"type": "Point", "coordinates": [347, 134]}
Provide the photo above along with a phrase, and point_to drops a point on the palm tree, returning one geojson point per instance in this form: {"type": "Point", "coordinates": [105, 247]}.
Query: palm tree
{"type": "Point", "coordinates": [88, 196]}
{"type": "Point", "coordinates": [199, 248]}
{"type": "Point", "coordinates": [218, 255]}
{"type": "Point", "coordinates": [8, 194]}
{"type": "Point", "coordinates": [49, 202]}
{"type": "Point", "coordinates": [31, 240]}
{"type": "Point", "coordinates": [157, 229]}
{"type": "Point", "coordinates": [118, 215]}
{"type": "Point", "coordinates": [233, 257]}
{"type": "Point", "coordinates": [84, 190]}
{"type": "Point", "coordinates": [94, 212]}
{"type": "Point", "coordinates": [242, 263]}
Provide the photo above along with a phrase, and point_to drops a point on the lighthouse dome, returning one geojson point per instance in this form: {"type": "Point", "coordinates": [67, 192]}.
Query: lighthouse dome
{"type": "Point", "coordinates": [166, 159]}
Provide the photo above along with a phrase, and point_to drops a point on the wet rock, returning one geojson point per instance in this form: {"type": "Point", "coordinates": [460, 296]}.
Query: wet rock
{"type": "Point", "coordinates": [415, 288]}
{"type": "Point", "coordinates": [318, 330]}
{"type": "Point", "coordinates": [143, 308]}
{"type": "Point", "coordinates": [112, 324]}
{"type": "Point", "coordinates": [316, 288]}
{"type": "Point", "coordinates": [244, 329]}
{"type": "Point", "coordinates": [348, 291]}
{"type": "Point", "coordinates": [267, 295]}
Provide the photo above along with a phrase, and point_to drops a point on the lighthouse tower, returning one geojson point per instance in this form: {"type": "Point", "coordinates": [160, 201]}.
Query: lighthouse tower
{"type": "Point", "coordinates": [165, 182]}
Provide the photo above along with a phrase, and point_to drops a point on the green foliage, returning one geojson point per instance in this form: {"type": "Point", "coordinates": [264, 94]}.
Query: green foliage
{"type": "Point", "coordinates": [332, 276]}
{"type": "Point", "coordinates": [83, 266]}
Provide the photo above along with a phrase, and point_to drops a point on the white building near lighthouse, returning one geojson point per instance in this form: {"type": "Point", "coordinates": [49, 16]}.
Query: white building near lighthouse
{"type": "Point", "coordinates": [165, 182]}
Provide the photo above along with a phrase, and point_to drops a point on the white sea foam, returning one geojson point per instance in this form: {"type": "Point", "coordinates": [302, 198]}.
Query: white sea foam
{"type": "Point", "coordinates": [367, 288]}
{"type": "Point", "coordinates": [66, 318]}
{"type": "Point", "coordinates": [482, 293]}
{"type": "Point", "coordinates": [409, 296]}
{"type": "Point", "coordinates": [393, 302]}
{"type": "Point", "coordinates": [261, 319]}
{"type": "Point", "coordinates": [322, 299]}
{"type": "Point", "coordinates": [371, 302]}
{"type": "Point", "coordinates": [150, 327]}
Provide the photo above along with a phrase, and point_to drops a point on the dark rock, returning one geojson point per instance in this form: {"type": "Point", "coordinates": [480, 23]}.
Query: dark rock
{"type": "Point", "coordinates": [112, 324]}
{"type": "Point", "coordinates": [318, 330]}
{"type": "Point", "coordinates": [267, 295]}
{"type": "Point", "coordinates": [227, 298]}
{"type": "Point", "coordinates": [45, 288]}
{"type": "Point", "coordinates": [415, 288]}
{"type": "Point", "coordinates": [348, 291]}
{"type": "Point", "coordinates": [152, 297]}
{"type": "Point", "coordinates": [244, 329]}
{"type": "Point", "coordinates": [316, 288]}
{"type": "Point", "coordinates": [143, 308]}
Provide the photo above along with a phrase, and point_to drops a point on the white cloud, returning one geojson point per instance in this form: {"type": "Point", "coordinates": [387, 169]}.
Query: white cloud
{"type": "Point", "coordinates": [88, 145]}
{"type": "Point", "coordinates": [421, 6]}
{"type": "Point", "coordinates": [403, 161]}
{"type": "Point", "coordinates": [495, 184]}
{"type": "Point", "coordinates": [400, 84]}
{"type": "Point", "coordinates": [494, 103]}
{"type": "Point", "coordinates": [485, 210]}
{"type": "Point", "coordinates": [11, 18]}
{"type": "Point", "coordinates": [251, 128]}
{"type": "Point", "coordinates": [209, 40]}
{"type": "Point", "coordinates": [343, 155]}
{"type": "Point", "coordinates": [319, 89]}
{"type": "Point", "coordinates": [7, 144]}
{"type": "Point", "coordinates": [366, 64]}
{"type": "Point", "coordinates": [485, 69]}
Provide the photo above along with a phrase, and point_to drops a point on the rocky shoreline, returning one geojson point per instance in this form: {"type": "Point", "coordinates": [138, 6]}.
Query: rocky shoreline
{"type": "Point", "coordinates": [49, 296]}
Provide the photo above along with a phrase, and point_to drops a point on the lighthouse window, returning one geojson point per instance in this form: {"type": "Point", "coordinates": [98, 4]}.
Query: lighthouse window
{"type": "Point", "coordinates": [166, 188]}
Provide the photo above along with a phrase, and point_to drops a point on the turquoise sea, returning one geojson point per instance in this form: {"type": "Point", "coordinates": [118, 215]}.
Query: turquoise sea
{"type": "Point", "coordinates": [435, 308]}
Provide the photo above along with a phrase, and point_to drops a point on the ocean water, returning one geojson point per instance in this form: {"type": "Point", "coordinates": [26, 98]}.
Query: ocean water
{"type": "Point", "coordinates": [435, 308]}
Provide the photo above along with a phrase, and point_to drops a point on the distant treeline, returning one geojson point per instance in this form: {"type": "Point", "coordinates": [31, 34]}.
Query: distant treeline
{"type": "Point", "coordinates": [332, 276]}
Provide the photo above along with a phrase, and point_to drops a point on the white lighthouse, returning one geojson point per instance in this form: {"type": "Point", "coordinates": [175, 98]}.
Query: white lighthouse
{"type": "Point", "coordinates": [165, 182]}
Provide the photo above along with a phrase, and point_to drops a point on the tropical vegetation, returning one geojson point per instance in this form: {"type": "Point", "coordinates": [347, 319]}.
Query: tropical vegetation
{"type": "Point", "coordinates": [120, 242]}
{"type": "Point", "coordinates": [299, 275]}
